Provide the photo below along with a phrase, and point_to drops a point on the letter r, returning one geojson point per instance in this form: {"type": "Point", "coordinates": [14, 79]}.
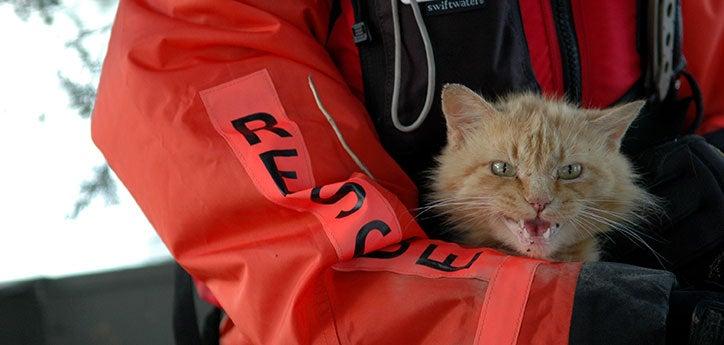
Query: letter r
{"type": "Point", "coordinates": [270, 122]}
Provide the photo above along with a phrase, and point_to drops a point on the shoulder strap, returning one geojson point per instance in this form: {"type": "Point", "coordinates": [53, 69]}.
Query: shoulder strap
{"type": "Point", "coordinates": [185, 326]}
{"type": "Point", "coordinates": [185, 330]}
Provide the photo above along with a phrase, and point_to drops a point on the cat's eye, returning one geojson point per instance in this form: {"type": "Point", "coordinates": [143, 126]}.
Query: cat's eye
{"type": "Point", "coordinates": [502, 169]}
{"type": "Point", "coordinates": [570, 171]}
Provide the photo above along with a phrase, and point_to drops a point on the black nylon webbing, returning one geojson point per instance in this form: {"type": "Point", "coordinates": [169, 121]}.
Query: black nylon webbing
{"type": "Point", "coordinates": [185, 326]}
{"type": "Point", "coordinates": [185, 329]}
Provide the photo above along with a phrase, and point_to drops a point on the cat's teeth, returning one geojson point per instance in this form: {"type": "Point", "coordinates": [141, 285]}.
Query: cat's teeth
{"type": "Point", "coordinates": [547, 233]}
{"type": "Point", "coordinates": [526, 235]}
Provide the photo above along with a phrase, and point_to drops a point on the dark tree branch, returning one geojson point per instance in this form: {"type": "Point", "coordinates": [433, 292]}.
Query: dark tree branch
{"type": "Point", "coordinates": [82, 95]}
{"type": "Point", "coordinates": [24, 8]}
{"type": "Point", "coordinates": [101, 184]}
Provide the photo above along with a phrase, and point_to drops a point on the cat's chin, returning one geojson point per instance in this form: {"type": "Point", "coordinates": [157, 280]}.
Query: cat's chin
{"type": "Point", "coordinates": [528, 245]}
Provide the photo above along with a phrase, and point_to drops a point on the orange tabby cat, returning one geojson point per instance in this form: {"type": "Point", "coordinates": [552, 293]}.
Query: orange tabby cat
{"type": "Point", "coordinates": [534, 176]}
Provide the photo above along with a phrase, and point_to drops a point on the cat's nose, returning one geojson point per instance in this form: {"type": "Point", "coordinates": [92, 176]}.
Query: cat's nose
{"type": "Point", "coordinates": [539, 204]}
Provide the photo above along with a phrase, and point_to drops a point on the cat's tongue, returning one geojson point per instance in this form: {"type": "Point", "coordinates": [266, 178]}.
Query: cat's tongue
{"type": "Point", "coordinates": [536, 227]}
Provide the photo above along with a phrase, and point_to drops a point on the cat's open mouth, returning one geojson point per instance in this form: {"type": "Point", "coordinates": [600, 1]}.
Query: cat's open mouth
{"type": "Point", "coordinates": [534, 235]}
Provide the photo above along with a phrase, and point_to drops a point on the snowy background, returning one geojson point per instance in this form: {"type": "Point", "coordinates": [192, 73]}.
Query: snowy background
{"type": "Point", "coordinates": [46, 152]}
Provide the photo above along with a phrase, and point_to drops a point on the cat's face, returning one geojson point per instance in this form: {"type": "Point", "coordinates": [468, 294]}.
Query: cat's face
{"type": "Point", "coordinates": [536, 177]}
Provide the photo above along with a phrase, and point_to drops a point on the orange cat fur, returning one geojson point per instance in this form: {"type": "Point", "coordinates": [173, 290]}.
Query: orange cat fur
{"type": "Point", "coordinates": [534, 176]}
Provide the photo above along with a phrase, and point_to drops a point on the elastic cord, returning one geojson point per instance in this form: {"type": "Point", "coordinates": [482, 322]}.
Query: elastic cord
{"type": "Point", "coordinates": [430, 59]}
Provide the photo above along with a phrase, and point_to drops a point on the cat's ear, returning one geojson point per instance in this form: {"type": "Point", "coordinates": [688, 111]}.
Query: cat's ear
{"type": "Point", "coordinates": [615, 121]}
{"type": "Point", "coordinates": [463, 108]}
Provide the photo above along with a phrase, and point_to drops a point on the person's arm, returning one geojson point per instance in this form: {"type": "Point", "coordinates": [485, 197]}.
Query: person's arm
{"type": "Point", "coordinates": [205, 113]}
{"type": "Point", "coordinates": [185, 89]}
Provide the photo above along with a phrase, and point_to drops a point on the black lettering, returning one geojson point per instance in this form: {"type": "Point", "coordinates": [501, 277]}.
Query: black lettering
{"type": "Point", "coordinates": [445, 265]}
{"type": "Point", "coordinates": [359, 243]}
{"type": "Point", "coordinates": [269, 123]}
{"type": "Point", "coordinates": [382, 254]}
{"type": "Point", "coordinates": [348, 187]}
{"type": "Point", "coordinates": [271, 166]}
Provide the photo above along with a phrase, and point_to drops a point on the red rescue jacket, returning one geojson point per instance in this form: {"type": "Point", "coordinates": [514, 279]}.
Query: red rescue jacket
{"type": "Point", "coordinates": [205, 113]}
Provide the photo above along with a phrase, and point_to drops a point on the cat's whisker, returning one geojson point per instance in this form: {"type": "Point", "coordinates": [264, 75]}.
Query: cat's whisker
{"type": "Point", "coordinates": [650, 206]}
{"type": "Point", "coordinates": [575, 222]}
{"type": "Point", "coordinates": [588, 228]}
{"type": "Point", "coordinates": [610, 222]}
{"type": "Point", "coordinates": [454, 199]}
{"type": "Point", "coordinates": [614, 225]}
{"type": "Point", "coordinates": [637, 240]}
{"type": "Point", "coordinates": [592, 225]}
{"type": "Point", "coordinates": [447, 203]}
{"type": "Point", "coordinates": [447, 206]}
{"type": "Point", "coordinates": [629, 232]}
{"type": "Point", "coordinates": [579, 225]}
{"type": "Point", "coordinates": [591, 206]}
{"type": "Point", "coordinates": [623, 218]}
{"type": "Point", "coordinates": [450, 203]}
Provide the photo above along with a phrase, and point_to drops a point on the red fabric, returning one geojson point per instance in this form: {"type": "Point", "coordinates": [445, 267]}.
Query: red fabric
{"type": "Point", "coordinates": [704, 52]}
{"type": "Point", "coordinates": [206, 294]}
{"type": "Point", "coordinates": [610, 62]}
{"type": "Point", "coordinates": [450, 318]}
{"type": "Point", "coordinates": [205, 114]}
{"type": "Point", "coordinates": [256, 94]}
{"type": "Point", "coordinates": [505, 301]}
{"type": "Point", "coordinates": [519, 301]}
{"type": "Point", "coordinates": [542, 39]}
{"type": "Point", "coordinates": [548, 312]}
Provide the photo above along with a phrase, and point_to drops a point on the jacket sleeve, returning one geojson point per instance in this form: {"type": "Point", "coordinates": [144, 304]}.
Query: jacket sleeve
{"type": "Point", "coordinates": [260, 256]}
{"type": "Point", "coordinates": [205, 113]}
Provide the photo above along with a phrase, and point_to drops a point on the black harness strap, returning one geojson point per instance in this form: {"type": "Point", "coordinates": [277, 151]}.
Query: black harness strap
{"type": "Point", "coordinates": [185, 330]}
{"type": "Point", "coordinates": [185, 327]}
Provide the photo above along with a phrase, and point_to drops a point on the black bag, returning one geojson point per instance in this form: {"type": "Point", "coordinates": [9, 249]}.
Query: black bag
{"type": "Point", "coordinates": [687, 173]}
